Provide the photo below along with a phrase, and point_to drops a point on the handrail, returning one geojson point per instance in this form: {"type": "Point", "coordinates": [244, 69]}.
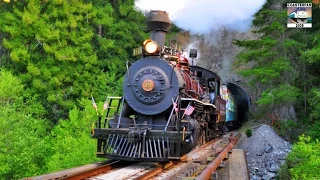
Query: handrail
{"type": "Point", "coordinates": [120, 113]}
{"type": "Point", "coordinates": [169, 119]}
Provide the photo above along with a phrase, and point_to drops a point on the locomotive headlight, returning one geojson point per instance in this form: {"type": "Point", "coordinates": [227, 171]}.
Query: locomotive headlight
{"type": "Point", "coordinates": [151, 47]}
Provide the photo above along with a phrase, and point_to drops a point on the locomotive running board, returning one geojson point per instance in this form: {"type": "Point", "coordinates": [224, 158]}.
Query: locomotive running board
{"type": "Point", "coordinates": [203, 103]}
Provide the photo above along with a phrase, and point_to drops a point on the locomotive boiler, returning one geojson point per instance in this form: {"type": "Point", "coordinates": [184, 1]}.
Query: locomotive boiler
{"type": "Point", "coordinates": [168, 107]}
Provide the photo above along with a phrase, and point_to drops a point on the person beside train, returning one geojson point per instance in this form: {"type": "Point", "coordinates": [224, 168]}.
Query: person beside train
{"type": "Point", "coordinates": [206, 96]}
{"type": "Point", "coordinates": [212, 95]}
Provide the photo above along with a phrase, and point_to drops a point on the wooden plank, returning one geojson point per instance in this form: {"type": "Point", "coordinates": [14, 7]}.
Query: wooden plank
{"type": "Point", "coordinates": [238, 168]}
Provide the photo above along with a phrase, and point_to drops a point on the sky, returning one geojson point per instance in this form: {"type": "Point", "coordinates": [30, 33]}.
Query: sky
{"type": "Point", "coordinates": [203, 16]}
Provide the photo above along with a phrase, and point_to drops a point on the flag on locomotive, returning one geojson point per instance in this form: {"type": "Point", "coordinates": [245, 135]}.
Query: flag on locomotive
{"type": "Point", "coordinates": [165, 110]}
{"type": "Point", "coordinates": [189, 110]}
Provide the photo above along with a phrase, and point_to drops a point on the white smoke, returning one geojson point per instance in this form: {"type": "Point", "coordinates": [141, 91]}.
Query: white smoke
{"type": "Point", "coordinates": [204, 16]}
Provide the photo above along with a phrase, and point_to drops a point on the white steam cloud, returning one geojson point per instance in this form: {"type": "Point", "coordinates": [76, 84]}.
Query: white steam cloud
{"type": "Point", "coordinates": [203, 16]}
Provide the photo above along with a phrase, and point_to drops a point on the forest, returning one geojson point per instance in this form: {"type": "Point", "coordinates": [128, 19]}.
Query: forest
{"type": "Point", "coordinates": [55, 54]}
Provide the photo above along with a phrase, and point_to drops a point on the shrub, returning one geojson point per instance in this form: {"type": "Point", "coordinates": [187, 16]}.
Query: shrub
{"type": "Point", "coordinates": [304, 159]}
{"type": "Point", "coordinates": [283, 172]}
{"type": "Point", "coordinates": [248, 132]}
{"type": "Point", "coordinates": [287, 129]}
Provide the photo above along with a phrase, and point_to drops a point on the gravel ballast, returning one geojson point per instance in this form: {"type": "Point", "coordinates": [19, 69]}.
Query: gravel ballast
{"type": "Point", "coordinates": [265, 151]}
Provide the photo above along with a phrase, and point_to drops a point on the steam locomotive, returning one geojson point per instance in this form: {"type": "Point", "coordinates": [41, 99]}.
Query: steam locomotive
{"type": "Point", "coordinates": [300, 15]}
{"type": "Point", "coordinates": [168, 106]}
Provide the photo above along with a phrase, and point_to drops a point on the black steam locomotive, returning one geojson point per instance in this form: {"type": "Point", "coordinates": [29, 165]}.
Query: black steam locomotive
{"type": "Point", "coordinates": [168, 107]}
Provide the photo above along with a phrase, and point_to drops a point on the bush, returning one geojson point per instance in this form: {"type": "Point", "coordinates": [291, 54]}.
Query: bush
{"type": "Point", "coordinates": [248, 132]}
{"type": "Point", "coordinates": [304, 159]}
{"type": "Point", "coordinates": [283, 172]}
{"type": "Point", "coordinates": [288, 129]}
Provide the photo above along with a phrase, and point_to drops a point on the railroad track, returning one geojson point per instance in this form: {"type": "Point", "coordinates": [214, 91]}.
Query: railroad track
{"type": "Point", "coordinates": [194, 165]}
{"type": "Point", "coordinates": [201, 164]}
{"type": "Point", "coordinates": [82, 172]}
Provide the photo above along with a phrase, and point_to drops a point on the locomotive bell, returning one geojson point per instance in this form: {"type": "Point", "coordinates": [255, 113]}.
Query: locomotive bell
{"type": "Point", "coordinates": [158, 23]}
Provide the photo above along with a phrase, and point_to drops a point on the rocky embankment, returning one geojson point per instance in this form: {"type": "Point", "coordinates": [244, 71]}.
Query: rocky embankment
{"type": "Point", "coordinates": [266, 152]}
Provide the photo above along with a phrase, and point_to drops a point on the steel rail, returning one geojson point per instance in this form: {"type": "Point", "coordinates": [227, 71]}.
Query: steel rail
{"type": "Point", "coordinates": [98, 170]}
{"type": "Point", "coordinates": [73, 172]}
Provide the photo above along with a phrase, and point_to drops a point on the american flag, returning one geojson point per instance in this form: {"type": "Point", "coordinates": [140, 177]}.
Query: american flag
{"type": "Point", "coordinates": [105, 106]}
{"type": "Point", "coordinates": [94, 105]}
{"type": "Point", "coordinates": [189, 110]}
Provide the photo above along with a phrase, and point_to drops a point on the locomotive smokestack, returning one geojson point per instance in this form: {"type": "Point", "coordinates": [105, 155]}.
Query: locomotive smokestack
{"type": "Point", "coordinates": [158, 23]}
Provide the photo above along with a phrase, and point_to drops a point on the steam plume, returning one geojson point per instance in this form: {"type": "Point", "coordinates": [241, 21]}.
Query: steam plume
{"type": "Point", "coordinates": [203, 16]}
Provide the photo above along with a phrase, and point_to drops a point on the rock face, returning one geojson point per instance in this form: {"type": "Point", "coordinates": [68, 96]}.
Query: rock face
{"type": "Point", "coordinates": [265, 151]}
{"type": "Point", "coordinates": [217, 51]}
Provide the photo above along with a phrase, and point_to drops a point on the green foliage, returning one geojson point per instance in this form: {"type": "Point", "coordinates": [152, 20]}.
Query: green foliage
{"type": "Point", "coordinates": [22, 143]}
{"type": "Point", "coordinates": [283, 62]}
{"type": "Point", "coordinates": [279, 95]}
{"type": "Point", "coordinates": [314, 130]}
{"type": "Point", "coordinates": [272, 68]}
{"type": "Point", "coordinates": [69, 49]}
{"type": "Point", "coordinates": [10, 86]}
{"type": "Point", "coordinates": [287, 129]}
{"type": "Point", "coordinates": [248, 132]}
{"type": "Point", "coordinates": [283, 172]}
{"type": "Point", "coordinates": [53, 50]}
{"type": "Point", "coordinates": [314, 101]}
{"type": "Point", "coordinates": [71, 143]}
{"type": "Point", "coordinates": [304, 159]}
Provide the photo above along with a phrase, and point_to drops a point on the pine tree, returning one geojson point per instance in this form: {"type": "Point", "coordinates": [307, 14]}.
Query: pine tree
{"type": "Point", "coordinates": [274, 68]}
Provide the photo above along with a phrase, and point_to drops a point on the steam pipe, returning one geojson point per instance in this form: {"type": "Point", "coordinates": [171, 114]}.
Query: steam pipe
{"type": "Point", "coordinates": [207, 172]}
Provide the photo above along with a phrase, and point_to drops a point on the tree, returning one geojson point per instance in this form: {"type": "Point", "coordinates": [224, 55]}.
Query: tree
{"type": "Point", "coordinates": [274, 67]}
{"type": "Point", "coordinates": [115, 39]}
{"type": "Point", "coordinates": [22, 142]}
{"type": "Point", "coordinates": [304, 161]}
{"type": "Point", "coordinates": [68, 49]}
{"type": "Point", "coordinates": [70, 141]}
